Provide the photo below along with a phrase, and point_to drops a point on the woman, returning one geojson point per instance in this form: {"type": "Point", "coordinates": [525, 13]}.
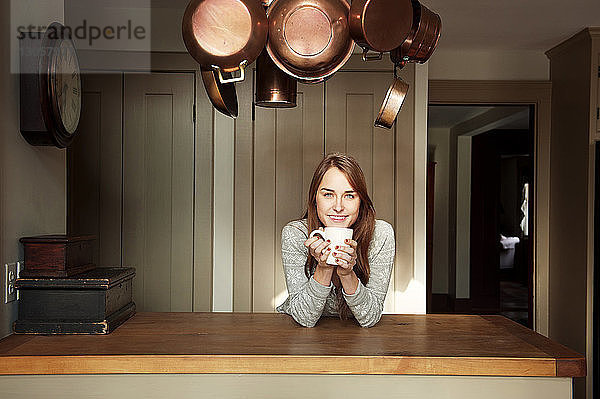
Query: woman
{"type": "Point", "coordinates": [357, 286]}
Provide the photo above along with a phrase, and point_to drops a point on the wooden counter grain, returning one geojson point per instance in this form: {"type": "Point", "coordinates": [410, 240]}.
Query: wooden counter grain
{"type": "Point", "coordinates": [274, 343]}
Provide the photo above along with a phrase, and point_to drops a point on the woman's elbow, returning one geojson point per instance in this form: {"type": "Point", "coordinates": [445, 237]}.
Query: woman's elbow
{"type": "Point", "coordinates": [370, 323]}
{"type": "Point", "coordinates": [373, 319]}
{"type": "Point", "coordinates": [304, 322]}
{"type": "Point", "coordinates": [303, 318]}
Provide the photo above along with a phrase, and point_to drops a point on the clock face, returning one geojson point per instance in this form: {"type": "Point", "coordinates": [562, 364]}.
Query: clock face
{"type": "Point", "coordinates": [66, 85]}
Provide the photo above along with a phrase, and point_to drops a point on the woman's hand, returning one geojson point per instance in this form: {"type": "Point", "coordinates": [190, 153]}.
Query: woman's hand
{"type": "Point", "coordinates": [318, 249]}
{"type": "Point", "coordinates": [345, 257]}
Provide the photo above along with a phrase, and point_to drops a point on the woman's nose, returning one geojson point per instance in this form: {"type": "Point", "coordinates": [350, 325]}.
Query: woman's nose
{"type": "Point", "coordinates": [339, 206]}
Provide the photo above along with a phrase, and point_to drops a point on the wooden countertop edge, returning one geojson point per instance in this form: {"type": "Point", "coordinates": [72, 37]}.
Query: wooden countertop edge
{"type": "Point", "coordinates": [568, 363]}
{"type": "Point", "coordinates": [575, 367]}
{"type": "Point", "coordinates": [283, 364]}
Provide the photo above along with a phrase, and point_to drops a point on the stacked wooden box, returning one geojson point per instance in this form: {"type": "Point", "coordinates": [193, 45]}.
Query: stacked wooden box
{"type": "Point", "coordinates": [62, 291]}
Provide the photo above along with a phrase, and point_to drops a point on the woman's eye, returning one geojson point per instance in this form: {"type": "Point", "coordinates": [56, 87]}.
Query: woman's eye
{"type": "Point", "coordinates": [328, 195]}
{"type": "Point", "coordinates": [350, 196]}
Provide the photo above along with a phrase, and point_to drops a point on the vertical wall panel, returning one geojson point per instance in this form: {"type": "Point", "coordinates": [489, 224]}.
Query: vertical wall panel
{"type": "Point", "coordinates": [203, 198]}
{"type": "Point", "coordinates": [84, 172]}
{"type": "Point", "coordinates": [359, 132]}
{"type": "Point", "coordinates": [182, 194]}
{"type": "Point", "coordinates": [158, 166]}
{"type": "Point", "coordinates": [243, 200]}
{"type": "Point", "coordinates": [223, 213]}
{"type": "Point", "coordinates": [157, 204]}
{"type": "Point", "coordinates": [263, 232]}
{"type": "Point", "coordinates": [94, 158]}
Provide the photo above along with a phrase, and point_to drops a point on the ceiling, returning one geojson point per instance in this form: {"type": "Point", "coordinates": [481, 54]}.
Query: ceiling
{"type": "Point", "coordinates": [487, 24]}
{"type": "Point", "coordinates": [512, 24]}
{"type": "Point", "coordinates": [449, 116]}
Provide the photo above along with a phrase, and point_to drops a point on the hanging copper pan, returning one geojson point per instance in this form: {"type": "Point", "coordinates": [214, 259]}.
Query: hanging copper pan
{"type": "Point", "coordinates": [395, 54]}
{"type": "Point", "coordinates": [274, 88]}
{"type": "Point", "coordinates": [409, 52]}
{"type": "Point", "coordinates": [424, 36]}
{"type": "Point", "coordinates": [309, 39]}
{"type": "Point", "coordinates": [420, 43]}
{"type": "Point", "coordinates": [392, 103]}
{"type": "Point", "coordinates": [432, 40]}
{"type": "Point", "coordinates": [225, 35]}
{"type": "Point", "coordinates": [222, 95]}
{"type": "Point", "coordinates": [432, 35]}
{"type": "Point", "coordinates": [380, 25]}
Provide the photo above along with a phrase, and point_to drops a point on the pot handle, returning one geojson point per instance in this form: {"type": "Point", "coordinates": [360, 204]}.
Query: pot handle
{"type": "Point", "coordinates": [241, 68]}
{"type": "Point", "coordinates": [366, 57]}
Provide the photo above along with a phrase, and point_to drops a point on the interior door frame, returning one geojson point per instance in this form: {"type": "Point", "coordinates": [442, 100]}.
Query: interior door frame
{"type": "Point", "coordinates": [537, 94]}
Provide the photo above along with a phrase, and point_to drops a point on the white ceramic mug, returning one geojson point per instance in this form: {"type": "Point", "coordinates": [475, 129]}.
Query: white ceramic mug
{"type": "Point", "coordinates": [336, 235]}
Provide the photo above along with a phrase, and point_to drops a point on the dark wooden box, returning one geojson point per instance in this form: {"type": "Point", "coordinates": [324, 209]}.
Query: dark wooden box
{"type": "Point", "coordinates": [94, 302]}
{"type": "Point", "coordinates": [57, 255]}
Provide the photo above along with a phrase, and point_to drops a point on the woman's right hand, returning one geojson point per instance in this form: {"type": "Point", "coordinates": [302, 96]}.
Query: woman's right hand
{"type": "Point", "coordinates": [318, 249]}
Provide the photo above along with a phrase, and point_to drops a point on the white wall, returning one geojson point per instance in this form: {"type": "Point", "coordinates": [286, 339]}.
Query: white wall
{"type": "Point", "coordinates": [414, 298]}
{"type": "Point", "coordinates": [32, 179]}
{"type": "Point", "coordinates": [488, 65]}
{"type": "Point", "coordinates": [440, 139]}
{"type": "Point", "coordinates": [463, 217]}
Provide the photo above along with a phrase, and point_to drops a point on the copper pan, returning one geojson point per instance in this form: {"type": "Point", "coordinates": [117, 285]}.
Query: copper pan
{"type": "Point", "coordinates": [274, 88]}
{"type": "Point", "coordinates": [309, 39]}
{"type": "Point", "coordinates": [410, 39]}
{"type": "Point", "coordinates": [380, 25]}
{"type": "Point", "coordinates": [225, 35]}
{"type": "Point", "coordinates": [222, 95]}
{"type": "Point", "coordinates": [435, 39]}
{"type": "Point", "coordinates": [428, 38]}
{"type": "Point", "coordinates": [409, 52]}
{"type": "Point", "coordinates": [424, 36]}
{"type": "Point", "coordinates": [392, 103]}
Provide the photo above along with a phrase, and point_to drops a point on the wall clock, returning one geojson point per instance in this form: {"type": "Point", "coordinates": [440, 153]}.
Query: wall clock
{"type": "Point", "coordinates": [50, 87]}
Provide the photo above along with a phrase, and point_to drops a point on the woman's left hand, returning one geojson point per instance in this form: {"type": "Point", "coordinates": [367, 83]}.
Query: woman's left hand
{"type": "Point", "coordinates": [345, 257]}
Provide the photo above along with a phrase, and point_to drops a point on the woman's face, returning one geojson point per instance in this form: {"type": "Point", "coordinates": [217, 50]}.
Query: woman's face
{"type": "Point", "coordinates": [337, 202]}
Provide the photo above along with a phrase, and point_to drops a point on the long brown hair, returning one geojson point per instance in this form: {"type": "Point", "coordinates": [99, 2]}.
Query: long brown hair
{"type": "Point", "coordinates": [363, 226]}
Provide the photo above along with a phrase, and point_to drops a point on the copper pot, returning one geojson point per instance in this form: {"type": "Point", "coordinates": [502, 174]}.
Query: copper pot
{"type": "Point", "coordinates": [423, 38]}
{"type": "Point", "coordinates": [222, 95]}
{"type": "Point", "coordinates": [392, 103]}
{"type": "Point", "coordinates": [309, 39]}
{"type": "Point", "coordinates": [274, 88]}
{"type": "Point", "coordinates": [380, 25]}
{"type": "Point", "coordinates": [225, 35]}
{"type": "Point", "coordinates": [433, 39]}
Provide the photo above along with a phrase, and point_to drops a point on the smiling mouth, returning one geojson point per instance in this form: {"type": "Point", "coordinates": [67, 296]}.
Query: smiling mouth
{"type": "Point", "coordinates": [337, 218]}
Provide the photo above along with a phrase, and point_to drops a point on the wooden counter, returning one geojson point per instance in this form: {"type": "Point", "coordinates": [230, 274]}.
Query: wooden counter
{"type": "Point", "coordinates": [241, 343]}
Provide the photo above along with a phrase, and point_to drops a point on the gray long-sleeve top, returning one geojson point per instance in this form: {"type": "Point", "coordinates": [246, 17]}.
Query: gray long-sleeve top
{"type": "Point", "coordinates": [308, 300]}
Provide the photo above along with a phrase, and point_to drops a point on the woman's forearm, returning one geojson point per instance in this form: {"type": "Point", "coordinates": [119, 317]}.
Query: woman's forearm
{"type": "Point", "coordinates": [349, 282]}
{"type": "Point", "coordinates": [306, 305]}
{"type": "Point", "coordinates": [323, 275]}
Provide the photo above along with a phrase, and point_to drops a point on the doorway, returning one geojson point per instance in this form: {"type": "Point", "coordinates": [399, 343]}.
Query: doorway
{"type": "Point", "coordinates": [481, 235]}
